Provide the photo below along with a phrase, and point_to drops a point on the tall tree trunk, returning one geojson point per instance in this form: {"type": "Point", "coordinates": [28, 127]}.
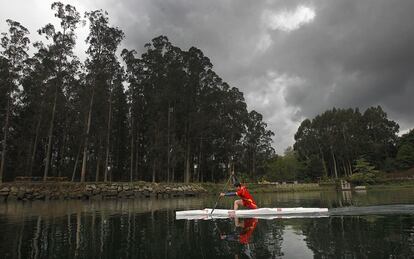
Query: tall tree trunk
{"type": "Point", "coordinates": [4, 145]}
{"type": "Point", "coordinates": [349, 168]}
{"type": "Point", "coordinates": [254, 163]}
{"type": "Point", "coordinates": [325, 169]}
{"type": "Point", "coordinates": [187, 164]}
{"type": "Point", "coordinates": [34, 150]}
{"type": "Point", "coordinates": [172, 174]}
{"type": "Point", "coordinates": [131, 172]}
{"type": "Point", "coordinates": [49, 144]}
{"type": "Point", "coordinates": [168, 145]}
{"type": "Point", "coordinates": [212, 174]}
{"type": "Point", "coordinates": [76, 163]}
{"type": "Point", "coordinates": [334, 163]}
{"type": "Point", "coordinates": [136, 170]}
{"type": "Point", "coordinates": [344, 168]}
{"type": "Point", "coordinates": [85, 147]}
{"type": "Point", "coordinates": [108, 135]}
{"type": "Point", "coordinates": [98, 166]}
{"type": "Point", "coordinates": [199, 169]}
{"type": "Point", "coordinates": [62, 153]}
{"type": "Point", "coordinates": [154, 162]}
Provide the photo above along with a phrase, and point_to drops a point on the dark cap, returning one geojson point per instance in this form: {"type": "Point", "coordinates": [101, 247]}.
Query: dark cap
{"type": "Point", "coordinates": [237, 184]}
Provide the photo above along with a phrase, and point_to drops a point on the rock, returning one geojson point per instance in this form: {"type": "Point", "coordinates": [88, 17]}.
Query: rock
{"type": "Point", "coordinates": [91, 187]}
{"type": "Point", "coordinates": [5, 189]}
{"type": "Point", "coordinates": [96, 191]}
{"type": "Point", "coordinates": [14, 190]}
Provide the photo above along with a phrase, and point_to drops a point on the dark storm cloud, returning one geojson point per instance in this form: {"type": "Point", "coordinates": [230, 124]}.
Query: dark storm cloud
{"type": "Point", "coordinates": [355, 53]}
{"type": "Point", "coordinates": [292, 59]}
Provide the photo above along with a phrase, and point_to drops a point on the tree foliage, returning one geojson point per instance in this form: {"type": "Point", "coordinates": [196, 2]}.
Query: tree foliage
{"type": "Point", "coordinates": [338, 137]}
{"type": "Point", "coordinates": [163, 116]}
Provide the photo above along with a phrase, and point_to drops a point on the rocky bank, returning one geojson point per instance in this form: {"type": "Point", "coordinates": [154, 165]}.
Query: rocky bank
{"type": "Point", "coordinates": [55, 191]}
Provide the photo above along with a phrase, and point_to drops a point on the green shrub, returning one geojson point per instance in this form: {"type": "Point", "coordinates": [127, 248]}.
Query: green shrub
{"type": "Point", "coordinates": [366, 178]}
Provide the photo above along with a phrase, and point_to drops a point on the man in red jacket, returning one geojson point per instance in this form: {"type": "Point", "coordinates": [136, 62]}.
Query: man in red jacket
{"type": "Point", "coordinates": [241, 191]}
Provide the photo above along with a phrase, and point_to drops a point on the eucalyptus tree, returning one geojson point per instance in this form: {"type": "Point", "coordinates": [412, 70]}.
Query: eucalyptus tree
{"type": "Point", "coordinates": [233, 117]}
{"type": "Point", "coordinates": [176, 80]}
{"type": "Point", "coordinates": [32, 100]}
{"type": "Point", "coordinates": [257, 142]}
{"type": "Point", "coordinates": [154, 89]}
{"type": "Point", "coordinates": [197, 66]}
{"type": "Point", "coordinates": [380, 135]}
{"type": "Point", "coordinates": [134, 76]}
{"type": "Point", "coordinates": [62, 59]}
{"type": "Point", "coordinates": [118, 130]}
{"type": "Point", "coordinates": [101, 65]}
{"type": "Point", "coordinates": [340, 136]}
{"type": "Point", "coordinates": [15, 46]}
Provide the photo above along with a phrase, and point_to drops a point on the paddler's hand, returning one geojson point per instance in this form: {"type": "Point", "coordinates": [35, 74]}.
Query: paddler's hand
{"type": "Point", "coordinates": [222, 194]}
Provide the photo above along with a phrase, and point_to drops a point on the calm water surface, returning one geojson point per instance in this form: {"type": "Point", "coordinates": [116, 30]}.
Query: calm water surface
{"type": "Point", "coordinates": [373, 224]}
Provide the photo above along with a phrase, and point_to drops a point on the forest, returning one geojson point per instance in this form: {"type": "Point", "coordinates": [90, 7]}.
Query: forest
{"type": "Point", "coordinates": [345, 143]}
{"type": "Point", "coordinates": [161, 116]}
{"type": "Point", "coordinates": [164, 115]}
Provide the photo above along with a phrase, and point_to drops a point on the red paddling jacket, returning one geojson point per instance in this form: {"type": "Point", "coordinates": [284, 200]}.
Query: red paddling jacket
{"type": "Point", "coordinates": [246, 197]}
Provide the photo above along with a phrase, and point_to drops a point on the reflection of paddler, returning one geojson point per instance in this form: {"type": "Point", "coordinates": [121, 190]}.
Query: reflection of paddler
{"type": "Point", "coordinates": [248, 226]}
{"type": "Point", "coordinates": [241, 191]}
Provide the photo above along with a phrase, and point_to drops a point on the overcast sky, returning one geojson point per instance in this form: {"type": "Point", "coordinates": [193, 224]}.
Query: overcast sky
{"type": "Point", "coordinates": [292, 59]}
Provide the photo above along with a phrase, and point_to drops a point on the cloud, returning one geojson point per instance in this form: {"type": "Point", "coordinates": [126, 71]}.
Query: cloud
{"type": "Point", "coordinates": [289, 20]}
{"type": "Point", "coordinates": [293, 59]}
{"type": "Point", "coordinates": [268, 97]}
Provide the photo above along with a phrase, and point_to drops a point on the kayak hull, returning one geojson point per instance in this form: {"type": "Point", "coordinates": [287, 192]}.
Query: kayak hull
{"type": "Point", "coordinates": [256, 213]}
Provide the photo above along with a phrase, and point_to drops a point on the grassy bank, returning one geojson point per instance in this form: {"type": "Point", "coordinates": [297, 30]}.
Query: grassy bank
{"type": "Point", "coordinates": [393, 184]}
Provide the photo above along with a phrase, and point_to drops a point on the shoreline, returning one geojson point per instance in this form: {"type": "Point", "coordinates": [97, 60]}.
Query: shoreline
{"type": "Point", "coordinates": [29, 191]}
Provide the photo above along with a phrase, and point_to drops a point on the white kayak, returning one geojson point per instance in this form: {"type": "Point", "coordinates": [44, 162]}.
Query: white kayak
{"type": "Point", "coordinates": [267, 213]}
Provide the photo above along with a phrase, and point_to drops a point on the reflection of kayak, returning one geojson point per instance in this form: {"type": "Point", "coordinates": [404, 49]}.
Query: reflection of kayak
{"type": "Point", "coordinates": [257, 213]}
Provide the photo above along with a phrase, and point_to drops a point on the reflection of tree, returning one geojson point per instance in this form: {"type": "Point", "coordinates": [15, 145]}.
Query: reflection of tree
{"type": "Point", "coordinates": [268, 239]}
{"type": "Point", "coordinates": [35, 250]}
{"type": "Point", "coordinates": [131, 230]}
{"type": "Point", "coordinates": [360, 237]}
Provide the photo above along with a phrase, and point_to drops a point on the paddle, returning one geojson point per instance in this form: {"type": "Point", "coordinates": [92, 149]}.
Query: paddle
{"type": "Point", "coordinates": [225, 187]}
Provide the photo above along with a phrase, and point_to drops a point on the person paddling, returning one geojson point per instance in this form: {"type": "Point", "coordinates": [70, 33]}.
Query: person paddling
{"type": "Point", "coordinates": [241, 191]}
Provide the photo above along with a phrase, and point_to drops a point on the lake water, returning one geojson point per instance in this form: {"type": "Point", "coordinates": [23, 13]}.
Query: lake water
{"type": "Point", "coordinates": [373, 224]}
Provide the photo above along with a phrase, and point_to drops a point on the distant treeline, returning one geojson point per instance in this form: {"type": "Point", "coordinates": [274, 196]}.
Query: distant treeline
{"type": "Point", "coordinates": [341, 142]}
{"type": "Point", "coordinates": [163, 116]}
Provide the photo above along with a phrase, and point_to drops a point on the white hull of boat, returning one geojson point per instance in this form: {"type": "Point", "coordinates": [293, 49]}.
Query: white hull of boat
{"type": "Point", "coordinates": [266, 213]}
